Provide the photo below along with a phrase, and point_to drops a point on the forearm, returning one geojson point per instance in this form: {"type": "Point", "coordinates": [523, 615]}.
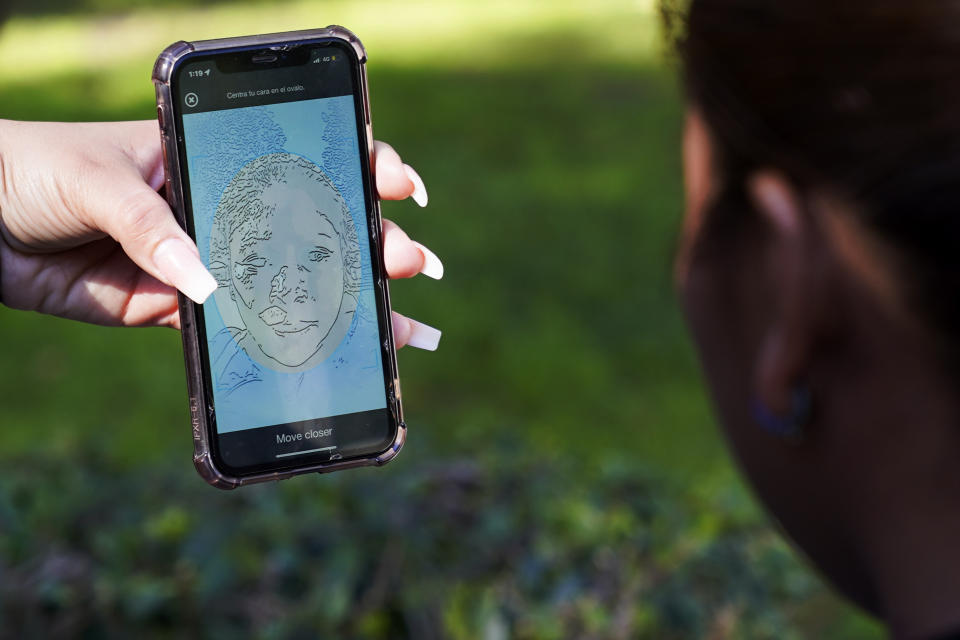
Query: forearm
{"type": "Point", "coordinates": [11, 263]}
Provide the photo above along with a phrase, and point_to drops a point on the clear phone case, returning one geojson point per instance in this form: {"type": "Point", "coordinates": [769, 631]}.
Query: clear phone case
{"type": "Point", "coordinates": [163, 71]}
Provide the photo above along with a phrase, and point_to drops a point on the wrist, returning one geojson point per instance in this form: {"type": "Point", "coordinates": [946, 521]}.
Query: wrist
{"type": "Point", "coordinates": [8, 210]}
{"type": "Point", "coordinates": [7, 268]}
{"type": "Point", "coordinates": [4, 249]}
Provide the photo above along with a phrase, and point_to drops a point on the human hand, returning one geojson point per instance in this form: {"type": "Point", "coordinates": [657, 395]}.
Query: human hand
{"type": "Point", "coordinates": [85, 235]}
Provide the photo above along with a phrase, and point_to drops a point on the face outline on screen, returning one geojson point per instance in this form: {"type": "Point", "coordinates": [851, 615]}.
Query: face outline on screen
{"type": "Point", "coordinates": [285, 253]}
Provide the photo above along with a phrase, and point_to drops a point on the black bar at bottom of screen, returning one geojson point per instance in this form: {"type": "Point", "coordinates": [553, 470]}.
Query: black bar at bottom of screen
{"type": "Point", "coordinates": [333, 438]}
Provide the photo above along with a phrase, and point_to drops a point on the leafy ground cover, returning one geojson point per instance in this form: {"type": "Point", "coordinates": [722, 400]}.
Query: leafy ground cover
{"type": "Point", "coordinates": [498, 545]}
{"type": "Point", "coordinates": [548, 138]}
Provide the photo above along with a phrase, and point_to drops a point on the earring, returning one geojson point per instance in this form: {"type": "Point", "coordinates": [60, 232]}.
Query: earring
{"type": "Point", "coordinates": [790, 426]}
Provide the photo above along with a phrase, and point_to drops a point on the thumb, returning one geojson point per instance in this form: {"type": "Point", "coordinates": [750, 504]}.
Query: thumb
{"type": "Point", "coordinates": [121, 204]}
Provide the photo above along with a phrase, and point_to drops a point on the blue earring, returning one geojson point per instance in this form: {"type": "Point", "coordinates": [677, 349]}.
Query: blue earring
{"type": "Point", "coordinates": [790, 426]}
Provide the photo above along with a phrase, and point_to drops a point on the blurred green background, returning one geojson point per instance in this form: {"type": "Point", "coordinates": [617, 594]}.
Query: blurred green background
{"type": "Point", "coordinates": [562, 478]}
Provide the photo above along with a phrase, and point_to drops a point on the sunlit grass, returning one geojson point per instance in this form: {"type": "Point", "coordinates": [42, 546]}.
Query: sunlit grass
{"type": "Point", "coordinates": [457, 33]}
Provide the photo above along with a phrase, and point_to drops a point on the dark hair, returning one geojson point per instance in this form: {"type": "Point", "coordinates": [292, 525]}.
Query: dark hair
{"type": "Point", "coordinates": [860, 96]}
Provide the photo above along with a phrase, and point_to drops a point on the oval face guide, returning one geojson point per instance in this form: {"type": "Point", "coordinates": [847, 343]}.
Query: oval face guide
{"type": "Point", "coordinates": [291, 366]}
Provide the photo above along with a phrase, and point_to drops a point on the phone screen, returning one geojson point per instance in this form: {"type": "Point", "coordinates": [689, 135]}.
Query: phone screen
{"type": "Point", "coordinates": [277, 198]}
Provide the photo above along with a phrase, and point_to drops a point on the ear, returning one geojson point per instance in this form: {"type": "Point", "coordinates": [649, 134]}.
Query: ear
{"type": "Point", "coordinates": [794, 260]}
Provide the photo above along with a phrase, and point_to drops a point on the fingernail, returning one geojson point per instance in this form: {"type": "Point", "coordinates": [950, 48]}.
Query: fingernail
{"type": "Point", "coordinates": [419, 190]}
{"type": "Point", "coordinates": [182, 269]}
{"type": "Point", "coordinates": [423, 336]}
{"type": "Point", "coordinates": [431, 263]}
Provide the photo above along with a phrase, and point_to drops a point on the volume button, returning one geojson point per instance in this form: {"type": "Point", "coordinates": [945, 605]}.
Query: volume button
{"type": "Point", "coordinates": [162, 118]}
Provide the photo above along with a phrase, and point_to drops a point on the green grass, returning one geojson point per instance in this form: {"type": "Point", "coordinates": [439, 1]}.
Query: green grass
{"type": "Point", "coordinates": [548, 137]}
{"type": "Point", "coordinates": [554, 216]}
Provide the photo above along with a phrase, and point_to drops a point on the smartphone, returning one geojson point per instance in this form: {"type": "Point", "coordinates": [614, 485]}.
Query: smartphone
{"type": "Point", "coordinates": [291, 365]}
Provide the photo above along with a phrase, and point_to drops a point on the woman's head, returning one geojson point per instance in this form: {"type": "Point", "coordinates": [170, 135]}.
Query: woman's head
{"type": "Point", "coordinates": [856, 98]}
{"type": "Point", "coordinates": [822, 152]}
{"type": "Point", "coordinates": [285, 248]}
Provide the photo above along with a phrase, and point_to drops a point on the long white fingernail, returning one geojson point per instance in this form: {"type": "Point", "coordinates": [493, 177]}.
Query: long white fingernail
{"type": "Point", "coordinates": [431, 263]}
{"type": "Point", "coordinates": [183, 269]}
{"type": "Point", "coordinates": [423, 336]}
{"type": "Point", "coordinates": [419, 189]}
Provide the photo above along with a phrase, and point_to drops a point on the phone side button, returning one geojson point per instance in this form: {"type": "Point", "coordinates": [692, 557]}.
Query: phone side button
{"type": "Point", "coordinates": [162, 118]}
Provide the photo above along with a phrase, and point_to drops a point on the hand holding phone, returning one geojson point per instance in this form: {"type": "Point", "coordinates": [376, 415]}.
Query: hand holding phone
{"type": "Point", "coordinates": [291, 363]}
{"type": "Point", "coordinates": [81, 192]}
